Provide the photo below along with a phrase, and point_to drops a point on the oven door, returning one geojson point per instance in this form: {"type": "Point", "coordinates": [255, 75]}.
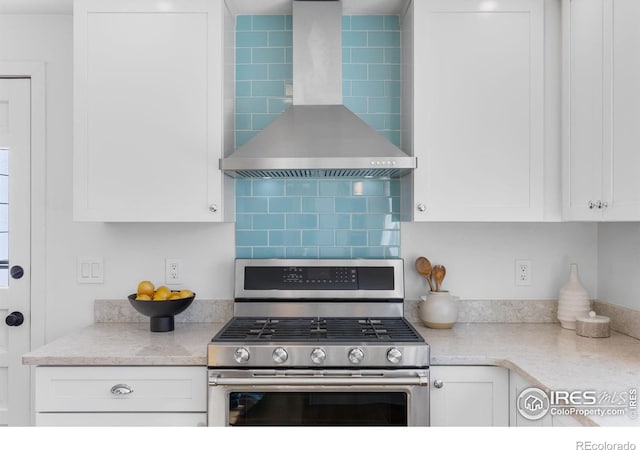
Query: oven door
{"type": "Point", "coordinates": [316, 398]}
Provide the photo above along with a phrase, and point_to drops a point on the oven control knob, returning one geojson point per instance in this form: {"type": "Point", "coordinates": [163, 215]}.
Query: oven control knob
{"type": "Point", "coordinates": [241, 355]}
{"type": "Point", "coordinates": [280, 355]}
{"type": "Point", "coordinates": [318, 355]}
{"type": "Point", "coordinates": [394, 356]}
{"type": "Point", "coordinates": [356, 355]}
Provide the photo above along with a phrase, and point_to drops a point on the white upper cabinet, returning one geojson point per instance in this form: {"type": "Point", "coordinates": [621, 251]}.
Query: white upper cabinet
{"type": "Point", "coordinates": [601, 143]}
{"type": "Point", "coordinates": [148, 107]}
{"type": "Point", "coordinates": [478, 112]}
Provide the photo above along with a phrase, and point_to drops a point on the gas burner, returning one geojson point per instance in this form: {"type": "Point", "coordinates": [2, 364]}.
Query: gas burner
{"type": "Point", "coordinates": [311, 329]}
{"type": "Point", "coordinates": [318, 327]}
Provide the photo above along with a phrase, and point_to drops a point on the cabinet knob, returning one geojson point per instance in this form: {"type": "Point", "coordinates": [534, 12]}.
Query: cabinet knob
{"type": "Point", "coordinates": [438, 384]}
{"type": "Point", "coordinates": [121, 389]}
{"type": "Point", "coordinates": [597, 205]}
{"type": "Point", "coordinates": [213, 208]}
{"type": "Point", "coordinates": [421, 207]}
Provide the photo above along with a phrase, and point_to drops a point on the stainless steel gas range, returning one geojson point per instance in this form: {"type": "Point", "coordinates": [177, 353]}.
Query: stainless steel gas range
{"type": "Point", "coordinates": [318, 342]}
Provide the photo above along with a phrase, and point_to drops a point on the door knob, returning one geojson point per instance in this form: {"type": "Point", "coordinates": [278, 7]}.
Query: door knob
{"type": "Point", "coordinates": [15, 319]}
{"type": "Point", "coordinates": [16, 272]}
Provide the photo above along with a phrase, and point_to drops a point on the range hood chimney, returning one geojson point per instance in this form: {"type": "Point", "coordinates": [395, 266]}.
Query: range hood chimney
{"type": "Point", "coordinates": [318, 136]}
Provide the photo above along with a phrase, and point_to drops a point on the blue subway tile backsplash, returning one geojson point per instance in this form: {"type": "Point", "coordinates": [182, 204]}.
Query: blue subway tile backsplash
{"type": "Point", "coordinates": [317, 218]}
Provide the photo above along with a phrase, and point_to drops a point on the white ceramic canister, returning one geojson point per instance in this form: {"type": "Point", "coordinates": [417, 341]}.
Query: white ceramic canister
{"type": "Point", "coordinates": [573, 300]}
{"type": "Point", "coordinates": [438, 310]}
{"type": "Point", "coordinates": [593, 326]}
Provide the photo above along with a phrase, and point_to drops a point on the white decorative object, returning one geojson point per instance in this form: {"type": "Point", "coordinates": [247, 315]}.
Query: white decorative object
{"type": "Point", "coordinates": [438, 310]}
{"type": "Point", "coordinates": [573, 301]}
{"type": "Point", "coordinates": [593, 326]}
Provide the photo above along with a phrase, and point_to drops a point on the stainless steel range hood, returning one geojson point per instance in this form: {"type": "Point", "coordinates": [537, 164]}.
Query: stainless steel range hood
{"type": "Point", "coordinates": [318, 136]}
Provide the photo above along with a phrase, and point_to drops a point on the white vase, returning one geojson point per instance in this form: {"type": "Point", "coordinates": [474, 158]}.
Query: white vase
{"type": "Point", "coordinates": [573, 300]}
{"type": "Point", "coordinates": [438, 310]}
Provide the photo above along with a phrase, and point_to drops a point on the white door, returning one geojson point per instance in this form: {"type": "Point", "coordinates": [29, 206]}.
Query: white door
{"type": "Point", "coordinates": [15, 244]}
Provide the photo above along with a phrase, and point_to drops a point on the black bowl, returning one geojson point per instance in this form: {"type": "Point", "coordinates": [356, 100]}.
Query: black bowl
{"type": "Point", "coordinates": [161, 312]}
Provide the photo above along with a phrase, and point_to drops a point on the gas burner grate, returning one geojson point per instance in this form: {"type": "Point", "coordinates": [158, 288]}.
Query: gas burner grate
{"type": "Point", "coordinates": [310, 329]}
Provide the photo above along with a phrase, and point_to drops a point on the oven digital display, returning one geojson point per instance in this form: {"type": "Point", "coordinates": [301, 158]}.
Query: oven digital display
{"type": "Point", "coordinates": [318, 278]}
{"type": "Point", "coordinates": [318, 273]}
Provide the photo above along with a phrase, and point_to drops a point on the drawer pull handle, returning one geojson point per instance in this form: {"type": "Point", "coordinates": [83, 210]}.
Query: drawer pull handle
{"type": "Point", "coordinates": [121, 389]}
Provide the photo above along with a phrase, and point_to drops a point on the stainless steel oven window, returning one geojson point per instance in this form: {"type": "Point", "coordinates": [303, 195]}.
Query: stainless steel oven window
{"type": "Point", "coordinates": [342, 400]}
{"type": "Point", "coordinates": [318, 408]}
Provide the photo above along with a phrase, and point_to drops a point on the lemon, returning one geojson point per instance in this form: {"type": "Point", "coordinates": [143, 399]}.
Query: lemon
{"type": "Point", "coordinates": [185, 293]}
{"type": "Point", "coordinates": [164, 290]}
{"type": "Point", "coordinates": [161, 295]}
{"type": "Point", "coordinates": [146, 288]}
{"type": "Point", "coordinates": [143, 297]}
{"type": "Point", "coordinates": [174, 296]}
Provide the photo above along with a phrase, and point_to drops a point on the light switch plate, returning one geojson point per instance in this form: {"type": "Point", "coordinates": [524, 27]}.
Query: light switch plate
{"type": "Point", "coordinates": [90, 269]}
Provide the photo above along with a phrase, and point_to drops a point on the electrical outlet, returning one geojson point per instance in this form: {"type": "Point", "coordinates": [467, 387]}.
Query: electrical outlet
{"type": "Point", "coordinates": [173, 271]}
{"type": "Point", "coordinates": [523, 272]}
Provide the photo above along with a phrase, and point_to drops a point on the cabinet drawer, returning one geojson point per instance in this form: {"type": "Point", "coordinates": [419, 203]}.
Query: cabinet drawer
{"type": "Point", "coordinates": [181, 419]}
{"type": "Point", "coordinates": [152, 389]}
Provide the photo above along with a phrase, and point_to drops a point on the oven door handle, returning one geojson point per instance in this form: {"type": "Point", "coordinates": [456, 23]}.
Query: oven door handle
{"type": "Point", "coordinates": [418, 380]}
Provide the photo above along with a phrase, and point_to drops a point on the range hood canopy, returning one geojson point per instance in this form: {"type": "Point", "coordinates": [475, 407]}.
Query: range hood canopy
{"type": "Point", "coordinates": [318, 136]}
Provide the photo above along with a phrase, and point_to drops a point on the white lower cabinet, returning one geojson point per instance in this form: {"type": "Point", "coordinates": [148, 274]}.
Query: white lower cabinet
{"type": "Point", "coordinates": [517, 384]}
{"type": "Point", "coordinates": [469, 396]}
{"type": "Point", "coordinates": [121, 396]}
{"type": "Point", "coordinates": [565, 421]}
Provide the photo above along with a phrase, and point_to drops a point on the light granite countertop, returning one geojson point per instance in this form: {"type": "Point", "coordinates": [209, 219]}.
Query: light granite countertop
{"type": "Point", "coordinates": [127, 344]}
{"type": "Point", "coordinates": [545, 355]}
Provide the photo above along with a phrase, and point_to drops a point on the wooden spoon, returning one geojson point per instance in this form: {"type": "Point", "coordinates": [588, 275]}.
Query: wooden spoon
{"type": "Point", "coordinates": [423, 266]}
{"type": "Point", "coordinates": [438, 275]}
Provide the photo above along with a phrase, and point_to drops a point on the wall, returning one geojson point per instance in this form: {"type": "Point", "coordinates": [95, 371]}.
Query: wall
{"type": "Point", "coordinates": [619, 264]}
{"type": "Point", "coordinates": [479, 257]}
{"type": "Point", "coordinates": [131, 251]}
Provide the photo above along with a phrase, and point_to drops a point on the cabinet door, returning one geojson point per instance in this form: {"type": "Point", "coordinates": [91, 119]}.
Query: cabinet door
{"type": "Point", "coordinates": [602, 104]}
{"type": "Point", "coordinates": [620, 177]}
{"type": "Point", "coordinates": [469, 396]}
{"type": "Point", "coordinates": [583, 43]}
{"type": "Point", "coordinates": [147, 107]}
{"type": "Point", "coordinates": [517, 384]}
{"type": "Point", "coordinates": [178, 419]}
{"type": "Point", "coordinates": [121, 389]}
{"type": "Point", "coordinates": [478, 110]}
{"type": "Point", "coordinates": [565, 421]}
